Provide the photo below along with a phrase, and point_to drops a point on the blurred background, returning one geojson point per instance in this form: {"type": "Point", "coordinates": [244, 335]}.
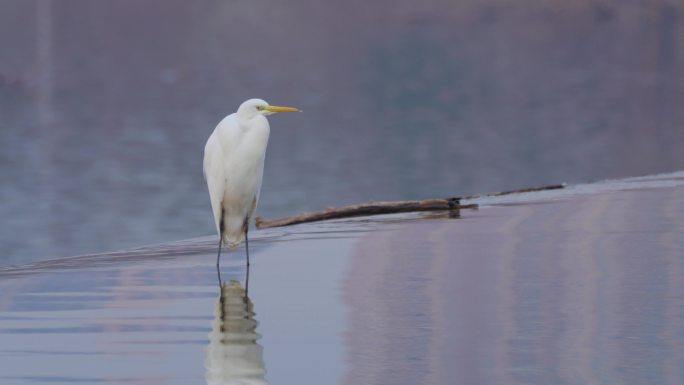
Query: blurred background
{"type": "Point", "coordinates": [105, 106]}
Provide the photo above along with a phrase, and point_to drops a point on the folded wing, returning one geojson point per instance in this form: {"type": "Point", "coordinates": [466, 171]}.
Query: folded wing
{"type": "Point", "coordinates": [215, 176]}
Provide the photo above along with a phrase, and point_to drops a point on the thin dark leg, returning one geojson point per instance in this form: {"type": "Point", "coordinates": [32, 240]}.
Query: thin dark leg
{"type": "Point", "coordinates": [218, 259]}
{"type": "Point", "coordinates": [247, 245]}
{"type": "Point", "coordinates": [218, 256]}
{"type": "Point", "coordinates": [247, 281]}
{"type": "Point", "coordinates": [247, 252]}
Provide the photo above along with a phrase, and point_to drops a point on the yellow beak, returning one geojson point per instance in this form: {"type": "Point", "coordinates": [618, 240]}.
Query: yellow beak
{"type": "Point", "coordinates": [275, 109]}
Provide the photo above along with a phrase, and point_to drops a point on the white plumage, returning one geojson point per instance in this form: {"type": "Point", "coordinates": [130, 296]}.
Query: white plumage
{"type": "Point", "coordinates": [234, 166]}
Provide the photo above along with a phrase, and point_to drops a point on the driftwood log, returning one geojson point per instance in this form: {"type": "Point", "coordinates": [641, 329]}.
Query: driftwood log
{"type": "Point", "coordinates": [376, 208]}
{"type": "Point", "coordinates": [365, 209]}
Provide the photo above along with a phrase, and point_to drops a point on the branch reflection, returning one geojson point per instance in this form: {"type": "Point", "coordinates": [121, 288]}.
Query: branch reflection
{"type": "Point", "coordinates": [233, 355]}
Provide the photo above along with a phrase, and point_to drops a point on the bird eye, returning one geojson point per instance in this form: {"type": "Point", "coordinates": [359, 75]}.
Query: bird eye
{"type": "Point", "coordinates": [259, 108]}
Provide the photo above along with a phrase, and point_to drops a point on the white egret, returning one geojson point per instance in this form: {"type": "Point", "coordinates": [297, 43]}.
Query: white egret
{"type": "Point", "coordinates": [234, 167]}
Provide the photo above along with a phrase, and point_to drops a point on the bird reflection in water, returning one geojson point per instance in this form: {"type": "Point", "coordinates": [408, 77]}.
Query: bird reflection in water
{"type": "Point", "coordinates": [233, 355]}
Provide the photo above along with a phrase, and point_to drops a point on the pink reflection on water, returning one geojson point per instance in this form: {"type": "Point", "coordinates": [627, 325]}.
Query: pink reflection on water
{"type": "Point", "coordinates": [582, 290]}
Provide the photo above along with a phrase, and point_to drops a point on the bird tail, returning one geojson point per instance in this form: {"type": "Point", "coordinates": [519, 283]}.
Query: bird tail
{"type": "Point", "coordinates": [233, 233]}
{"type": "Point", "coordinates": [233, 241]}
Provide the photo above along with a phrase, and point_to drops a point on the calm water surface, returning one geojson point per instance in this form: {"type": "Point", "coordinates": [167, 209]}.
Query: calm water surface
{"type": "Point", "coordinates": [581, 286]}
{"type": "Point", "coordinates": [105, 106]}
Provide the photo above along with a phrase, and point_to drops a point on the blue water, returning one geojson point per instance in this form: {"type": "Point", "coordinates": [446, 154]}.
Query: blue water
{"type": "Point", "coordinates": [105, 106]}
{"type": "Point", "coordinates": [576, 286]}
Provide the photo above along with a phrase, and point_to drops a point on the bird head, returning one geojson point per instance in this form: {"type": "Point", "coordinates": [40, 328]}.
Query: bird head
{"type": "Point", "coordinates": [254, 107]}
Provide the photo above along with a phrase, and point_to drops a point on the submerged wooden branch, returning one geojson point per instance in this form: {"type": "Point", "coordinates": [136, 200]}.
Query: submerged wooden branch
{"type": "Point", "coordinates": [372, 208]}
{"type": "Point", "coordinates": [524, 190]}
{"type": "Point", "coordinates": [376, 208]}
